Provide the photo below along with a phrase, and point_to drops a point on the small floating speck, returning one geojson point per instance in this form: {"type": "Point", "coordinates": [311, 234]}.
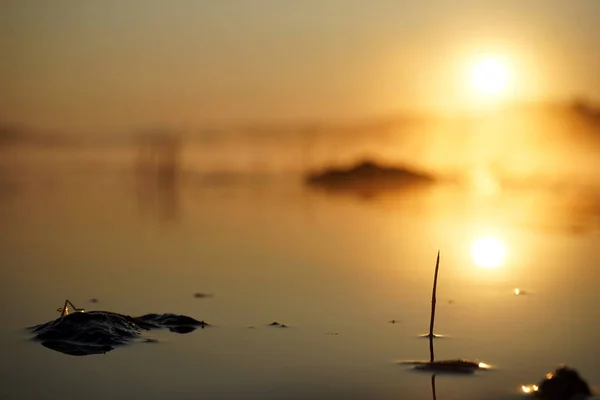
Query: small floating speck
{"type": "Point", "coordinates": [332, 333]}
{"type": "Point", "coordinates": [394, 321]}
{"type": "Point", "coordinates": [93, 300]}
{"type": "Point", "coordinates": [278, 325]}
{"type": "Point", "coordinates": [200, 295]}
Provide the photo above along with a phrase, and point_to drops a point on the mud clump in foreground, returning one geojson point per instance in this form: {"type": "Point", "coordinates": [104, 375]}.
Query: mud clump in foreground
{"type": "Point", "coordinates": [98, 332]}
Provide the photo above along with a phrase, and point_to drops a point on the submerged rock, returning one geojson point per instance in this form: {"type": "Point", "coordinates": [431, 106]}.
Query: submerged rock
{"type": "Point", "coordinates": [563, 384]}
{"type": "Point", "coordinates": [98, 332]}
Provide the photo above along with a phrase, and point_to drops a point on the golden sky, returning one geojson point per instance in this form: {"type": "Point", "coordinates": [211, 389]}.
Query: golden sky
{"type": "Point", "coordinates": [91, 65]}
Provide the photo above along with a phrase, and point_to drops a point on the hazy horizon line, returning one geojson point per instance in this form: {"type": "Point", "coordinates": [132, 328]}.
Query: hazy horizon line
{"type": "Point", "coordinates": [303, 125]}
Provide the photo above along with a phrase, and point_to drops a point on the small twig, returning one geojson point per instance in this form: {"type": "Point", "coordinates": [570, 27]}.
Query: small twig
{"type": "Point", "coordinates": [65, 309]}
{"type": "Point", "coordinates": [433, 302]}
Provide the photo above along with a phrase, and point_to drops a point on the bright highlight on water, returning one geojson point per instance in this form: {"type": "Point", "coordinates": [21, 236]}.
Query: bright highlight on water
{"type": "Point", "coordinates": [488, 252]}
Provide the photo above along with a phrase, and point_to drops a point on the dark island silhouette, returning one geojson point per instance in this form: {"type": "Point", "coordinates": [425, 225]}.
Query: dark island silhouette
{"type": "Point", "coordinates": [368, 177]}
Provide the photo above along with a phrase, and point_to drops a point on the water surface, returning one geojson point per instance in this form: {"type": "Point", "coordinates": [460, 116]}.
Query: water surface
{"type": "Point", "coordinates": [269, 249]}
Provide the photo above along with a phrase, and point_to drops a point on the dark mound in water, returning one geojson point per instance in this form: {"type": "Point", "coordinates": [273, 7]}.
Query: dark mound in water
{"type": "Point", "coordinates": [368, 177]}
{"type": "Point", "coordinates": [84, 333]}
{"type": "Point", "coordinates": [563, 384]}
{"type": "Point", "coordinates": [98, 332]}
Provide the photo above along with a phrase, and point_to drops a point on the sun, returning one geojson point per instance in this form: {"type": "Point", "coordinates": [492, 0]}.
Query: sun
{"type": "Point", "coordinates": [490, 76]}
{"type": "Point", "coordinates": [488, 252]}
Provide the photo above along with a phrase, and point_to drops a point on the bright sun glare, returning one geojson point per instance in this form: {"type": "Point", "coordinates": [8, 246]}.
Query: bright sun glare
{"type": "Point", "coordinates": [488, 252]}
{"type": "Point", "coordinates": [490, 76]}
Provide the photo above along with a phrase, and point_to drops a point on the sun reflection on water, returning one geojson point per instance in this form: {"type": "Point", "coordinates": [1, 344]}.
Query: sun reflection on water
{"type": "Point", "coordinates": [529, 388]}
{"type": "Point", "coordinates": [483, 365]}
{"type": "Point", "coordinates": [488, 252]}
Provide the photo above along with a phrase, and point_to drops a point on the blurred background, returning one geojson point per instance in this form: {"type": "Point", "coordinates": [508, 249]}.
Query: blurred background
{"type": "Point", "coordinates": [304, 161]}
{"type": "Point", "coordinates": [481, 92]}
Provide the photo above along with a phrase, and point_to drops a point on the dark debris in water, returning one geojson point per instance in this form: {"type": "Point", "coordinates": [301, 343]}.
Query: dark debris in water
{"type": "Point", "coordinates": [454, 366]}
{"type": "Point", "coordinates": [563, 384]}
{"type": "Point", "coordinates": [98, 332]}
{"type": "Point", "coordinates": [458, 366]}
{"type": "Point", "coordinates": [200, 295]}
{"type": "Point", "coordinates": [277, 324]}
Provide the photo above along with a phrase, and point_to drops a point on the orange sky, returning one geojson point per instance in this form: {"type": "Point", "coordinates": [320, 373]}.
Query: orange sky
{"type": "Point", "coordinates": [92, 66]}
